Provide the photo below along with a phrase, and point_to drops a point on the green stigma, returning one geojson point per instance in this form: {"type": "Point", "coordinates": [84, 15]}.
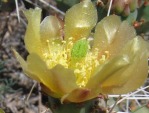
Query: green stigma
{"type": "Point", "coordinates": [79, 49]}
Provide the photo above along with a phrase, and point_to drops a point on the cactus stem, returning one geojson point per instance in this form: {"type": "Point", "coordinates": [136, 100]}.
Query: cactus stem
{"type": "Point", "coordinates": [90, 106]}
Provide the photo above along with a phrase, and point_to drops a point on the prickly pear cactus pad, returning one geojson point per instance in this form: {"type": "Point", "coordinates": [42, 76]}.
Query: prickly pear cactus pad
{"type": "Point", "coordinates": [72, 69]}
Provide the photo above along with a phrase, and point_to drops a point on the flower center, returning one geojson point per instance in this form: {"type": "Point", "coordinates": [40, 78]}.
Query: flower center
{"type": "Point", "coordinates": [79, 49]}
{"type": "Point", "coordinates": [75, 56]}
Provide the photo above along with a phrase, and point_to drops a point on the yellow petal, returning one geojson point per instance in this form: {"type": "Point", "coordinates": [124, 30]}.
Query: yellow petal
{"type": "Point", "coordinates": [105, 71]}
{"type": "Point", "coordinates": [32, 36]}
{"type": "Point", "coordinates": [30, 74]}
{"type": "Point", "coordinates": [55, 79]}
{"type": "Point", "coordinates": [20, 59]}
{"type": "Point", "coordinates": [50, 29]}
{"type": "Point", "coordinates": [105, 31]}
{"type": "Point", "coordinates": [79, 20]}
{"type": "Point", "coordinates": [124, 34]}
{"type": "Point", "coordinates": [111, 35]}
{"type": "Point", "coordinates": [134, 46]}
{"type": "Point", "coordinates": [24, 66]}
{"type": "Point", "coordinates": [48, 91]}
{"type": "Point", "coordinates": [133, 76]}
{"type": "Point", "coordinates": [63, 79]}
{"type": "Point", "coordinates": [77, 95]}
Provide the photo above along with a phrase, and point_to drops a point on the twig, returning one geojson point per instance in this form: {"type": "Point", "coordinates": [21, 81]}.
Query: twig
{"type": "Point", "coordinates": [46, 110]}
{"type": "Point", "coordinates": [131, 94]}
{"type": "Point", "coordinates": [47, 4]}
{"type": "Point", "coordinates": [109, 8]}
{"type": "Point", "coordinates": [39, 98]}
{"type": "Point", "coordinates": [4, 32]}
{"type": "Point", "coordinates": [17, 9]}
{"type": "Point", "coordinates": [114, 104]}
{"type": "Point", "coordinates": [36, 2]}
{"type": "Point", "coordinates": [21, 19]}
{"type": "Point", "coordinates": [31, 91]}
{"type": "Point", "coordinates": [52, 7]}
{"type": "Point", "coordinates": [127, 105]}
{"type": "Point", "coordinates": [31, 2]}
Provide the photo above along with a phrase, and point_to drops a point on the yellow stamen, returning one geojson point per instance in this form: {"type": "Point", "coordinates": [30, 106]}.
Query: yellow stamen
{"type": "Point", "coordinates": [83, 68]}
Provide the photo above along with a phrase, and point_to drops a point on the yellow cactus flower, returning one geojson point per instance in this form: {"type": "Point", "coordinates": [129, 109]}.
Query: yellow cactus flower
{"type": "Point", "coordinates": [75, 69]}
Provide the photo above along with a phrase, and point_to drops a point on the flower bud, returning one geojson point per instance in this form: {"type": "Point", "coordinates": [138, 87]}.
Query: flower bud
{"type": "Point", "coordinates": [124, 7]}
